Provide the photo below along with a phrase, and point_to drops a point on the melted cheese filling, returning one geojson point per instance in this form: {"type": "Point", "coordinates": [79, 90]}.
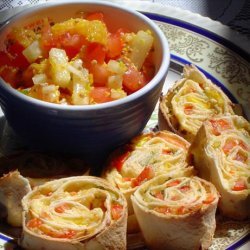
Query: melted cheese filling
{"type": "Point", "coordinates": [231, 148]}
{"type": "Point", "coordinates": [194, 103]}
{"type": "Point", "coordinates": [178, 196]}
{"type": "Point", "coordinates": [75, 209]}
{"type": "Point", "coordinates": [161, 155]}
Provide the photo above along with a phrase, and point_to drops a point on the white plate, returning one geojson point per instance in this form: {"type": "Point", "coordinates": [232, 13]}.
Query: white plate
{"type": "Point", "coordinates": [224, 56]}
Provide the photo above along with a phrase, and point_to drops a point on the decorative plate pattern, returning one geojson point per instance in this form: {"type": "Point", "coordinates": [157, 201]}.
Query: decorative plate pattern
{"type": "Point", "coordinates": [224, 57]}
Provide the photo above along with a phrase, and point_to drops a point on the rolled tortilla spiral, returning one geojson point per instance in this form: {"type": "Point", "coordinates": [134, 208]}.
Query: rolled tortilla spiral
{"type": "Point", "coordinates": [221, 153]}
{"type": "Point", "coordinates": [75, 211]}
{"type": "Point", "coordinates": [176, 213]}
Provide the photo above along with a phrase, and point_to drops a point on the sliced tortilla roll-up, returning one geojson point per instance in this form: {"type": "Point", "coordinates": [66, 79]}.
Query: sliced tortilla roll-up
{"type": "Point", "coordinates": [146, 156]}
{"type": "Point", "coordinates": [13, 187]}
{"type": "Point", "coordinates": [176, 213]}
{"type": "Point", "coordinates": [74, 213]}
{"type": "Point", "coordinates": [191, 100]}
{"type": "Point", "coordinates": [221, 152]}
{"type": "Point", "coordinates": [22, 171]}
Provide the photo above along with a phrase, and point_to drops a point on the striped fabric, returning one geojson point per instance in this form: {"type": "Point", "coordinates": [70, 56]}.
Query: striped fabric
{"type": "Point", "coordinates": [7, 4]}
{"type": "Point", "coordinates": [241, 22]}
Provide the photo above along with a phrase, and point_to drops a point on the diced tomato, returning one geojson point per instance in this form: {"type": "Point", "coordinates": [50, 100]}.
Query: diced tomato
{"type": "Point", "coordinates": [116, 211]}
{"type": "Point", "coordinates": [173, 183]}
{"type": "Point", "coordinates": [34, 223]}
{"type": "Point", "coordinates": [114, 46]}
{"type": "Point", "coordinates": [181, 210]}
{"type": "Point", "coordinates": [27, 75]}
{"type": "Point", "coordinates": [239, 185]}
{"type": "Point", "coordinates": [100, 94]}
{"type": "Point", "coordinates": [172, 139]}
{"type": "Point", "coordinates": [159, 195]}
{"type": "Point", "coordinates": [209, 199]}
{"type": "Point", "coordinates": [95, 16]}
{"type": "Point", "coordinates": [163, 210]}
{"type": "Point", "coordinates": [175, 198]}
{"type": "Point", "coordinates": [17, 59]}
{"type": "Point", "coordinates": [5, 59]}
{"type": "Point", "coordinates": [15, 48]}
{"type": "Point", "coordinates": [185, 188]}
{"type": "Point", "coordinates": [243, 145]}
{"type": "Point", "coordinates": [146, 174]}
{"type": "Point", "coordinates": [240, 156]}
{"type": "Point", "coordinates": [166, 151]}
{"type": "Point", "coordinates": [100, 74]}
{"type": "Point", "coordinates": [68, 234]}
{"type": "Point", "coordinates": [119, 161]}
{"type": "Point", "coordinates": [45, 215]}
{"type": "Point", "coordinates": [133, 80]}
{"type": "Point", "coordinates": [219, 126]}
{"type": "Point", "coordinates": [10, 75]}
{"type": "Point", "coordinates": [21, 62]}
{"type": "Point", "coordinates": [49, 193]}
{"type": "Point", "coordinates": [62, 208]}
{"type": "Point", "coordinates": [188, 109]}
{"type": "Point", "coordinates": [126, 178]}
{"type": "Point", "coordinates": [232, 172]}
{"type": "Point", "coordinates": [94, 51]}
{"type": "Point", "coordinates": [71, 43]}
{"type": "Point", "coordinates": [229, 145]}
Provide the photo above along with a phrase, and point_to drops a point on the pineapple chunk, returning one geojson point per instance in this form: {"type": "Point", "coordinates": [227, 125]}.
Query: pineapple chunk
{"type": "Point", "coordinates": [79, 95]}
{"type": "Point", "coordinates": [139, 47]}
{"type": "Point", "coordinates": [39, 78]}
{"type": "Point", "coordinates": [118, 94]}
{"type": "Point", "coordinates": [93, 31]}
{"type": "Point", "coordinates": [33, 51]}
{"type": "Point", "coordinates": [81, 82]}
{"type": "Point", "coordinates": [115, 81]}
{"type": "Point", "coordinates": [59, 62]}
{"type": "Point", "coordinates": [45, 92]}
{"type": "Point", "coordinates": [116, 67]}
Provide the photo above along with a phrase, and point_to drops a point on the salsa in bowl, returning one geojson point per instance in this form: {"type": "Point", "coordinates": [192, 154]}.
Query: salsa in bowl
{"type": "Point", "coordinates": [78, 61]}
{"type": "Point", "coordinates": [92, 126]}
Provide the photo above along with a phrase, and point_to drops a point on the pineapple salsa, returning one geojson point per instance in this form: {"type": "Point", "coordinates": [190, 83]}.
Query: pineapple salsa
{"type": "Point", "coordinates": [78, 61]}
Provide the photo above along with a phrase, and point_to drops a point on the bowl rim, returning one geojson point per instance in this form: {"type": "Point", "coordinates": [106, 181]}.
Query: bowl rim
{"type": "Point", "coordinates": [160, 75]}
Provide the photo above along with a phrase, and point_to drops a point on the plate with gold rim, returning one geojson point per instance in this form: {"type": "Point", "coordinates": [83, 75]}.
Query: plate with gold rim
{"type": "Point", "coordinates": [223, 56]}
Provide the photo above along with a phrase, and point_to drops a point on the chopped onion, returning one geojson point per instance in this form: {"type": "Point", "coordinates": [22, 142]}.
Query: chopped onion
{"type": "Point", "coordinates": [117, 94]}
{"type": "Point", "coordinates": [32, 52]}
{"type": "Point", "coordinates": [115, 82]}
{"type": "Point", "coordinates": [74, 71]}
{"type": "Point", "coordinates": [116, 67]}
{"type": "Point", "coordinates": [39, 78]}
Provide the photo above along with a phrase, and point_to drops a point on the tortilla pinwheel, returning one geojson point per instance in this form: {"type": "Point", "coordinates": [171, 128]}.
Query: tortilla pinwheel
{"type": "Point", "coordinates": [81, 212]}
{"type": "Point", "coordinates": [146, 156]}
{"type": "Point", "coordinates": [176, 213]}
{"type": "Point", "coordinates": [221, 153]}
{"type": "Point", "coordinates": [191, 100]}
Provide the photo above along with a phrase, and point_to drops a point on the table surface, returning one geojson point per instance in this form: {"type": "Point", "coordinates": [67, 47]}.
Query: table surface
{"type": "Point", "coordinates": [234, 13]}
